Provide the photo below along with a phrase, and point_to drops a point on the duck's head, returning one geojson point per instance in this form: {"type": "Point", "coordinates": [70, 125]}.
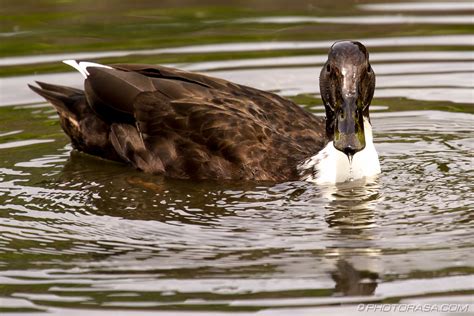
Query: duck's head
{"type": "Point", "coordinates": [347, 84]}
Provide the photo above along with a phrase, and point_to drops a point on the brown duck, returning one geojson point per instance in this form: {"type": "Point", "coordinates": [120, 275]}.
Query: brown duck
{"type": "Point", "coordinates": [187, 125]}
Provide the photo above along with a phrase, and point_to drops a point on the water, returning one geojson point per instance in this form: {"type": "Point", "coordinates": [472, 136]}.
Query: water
{"type": "Point", "coordinates": [79, 233]}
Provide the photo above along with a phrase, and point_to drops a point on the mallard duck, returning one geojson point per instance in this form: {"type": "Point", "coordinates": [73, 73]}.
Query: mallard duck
{"type": "Point", "coordinates": [187, 125]}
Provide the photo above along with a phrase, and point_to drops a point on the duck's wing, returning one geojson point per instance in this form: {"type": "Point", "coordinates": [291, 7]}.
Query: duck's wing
{"type": "Point", "coordinates": [185, 124]}
{"type": "Point", "coordinates": [158, 71]}
{"type": "Point", "coordinates": [286, 116]}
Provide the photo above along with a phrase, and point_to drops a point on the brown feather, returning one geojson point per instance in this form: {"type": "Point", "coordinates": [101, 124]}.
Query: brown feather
{"type": "Point", "coordinates": [188, 125]}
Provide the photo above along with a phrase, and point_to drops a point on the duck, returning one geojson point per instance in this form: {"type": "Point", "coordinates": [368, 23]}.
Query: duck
{"type": "Point", "coordinates": [187, 125]}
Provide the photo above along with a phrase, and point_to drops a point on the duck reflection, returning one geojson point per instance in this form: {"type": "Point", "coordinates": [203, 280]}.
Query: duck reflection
{"type": "Point", "coordinates": [351, 215]}
{"type": "Point", "coordinates": [352, 282]}
{"type": "Point", "coordinates": [351, 207]}
{"type": "Point", "coordinates": [117, 190]}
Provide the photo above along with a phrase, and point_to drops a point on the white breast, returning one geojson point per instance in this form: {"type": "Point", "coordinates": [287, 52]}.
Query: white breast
{"type": "Point", "coordinates": [332, 166]}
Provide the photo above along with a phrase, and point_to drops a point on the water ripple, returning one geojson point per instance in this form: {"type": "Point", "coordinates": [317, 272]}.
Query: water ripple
{"type": "Point", "coordinates": [365, 20]}
{"type": "Point", "coordinates": [440, 40]}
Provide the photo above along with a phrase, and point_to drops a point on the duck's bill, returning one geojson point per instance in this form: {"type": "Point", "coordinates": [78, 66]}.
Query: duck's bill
{"type": "Point", "coordinates": [349, 128]}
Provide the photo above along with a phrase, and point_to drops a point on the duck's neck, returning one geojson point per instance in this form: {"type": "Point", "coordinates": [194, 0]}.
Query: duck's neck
{"type": "Point", "coordinates": [332, 166]}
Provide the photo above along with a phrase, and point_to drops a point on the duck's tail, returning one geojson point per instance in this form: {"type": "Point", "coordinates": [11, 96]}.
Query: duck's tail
{"type": "Point", "coordinates": [87, 131]}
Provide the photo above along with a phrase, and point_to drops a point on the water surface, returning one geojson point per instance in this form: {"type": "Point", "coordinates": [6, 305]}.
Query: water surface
{"type": "Point", "coordinates": [80, 233]}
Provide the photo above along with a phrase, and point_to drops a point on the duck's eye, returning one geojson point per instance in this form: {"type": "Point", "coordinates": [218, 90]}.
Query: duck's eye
{"type": "Point", "coordinates": [328, 68]}
{"type": "Point", "coordinates": [369, 69]}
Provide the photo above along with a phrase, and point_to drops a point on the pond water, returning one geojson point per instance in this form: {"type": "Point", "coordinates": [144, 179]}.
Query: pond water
{"type": "Point", "coordinates": [81, 234]}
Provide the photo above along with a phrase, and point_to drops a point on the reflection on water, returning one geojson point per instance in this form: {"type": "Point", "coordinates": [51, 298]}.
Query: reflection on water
{"type": "Point", "coordinates": [440, 40]}
{"type": "Point", "coordinates": [117, 236]}
{"type": "Point", "coordinates": [398, 75]}
{"type": "Point", "coordinates": [77, 232]}
{"type": "Point", "coordinates": [375, 20]}
{"type": "Point", "coordinates": [419, 6]}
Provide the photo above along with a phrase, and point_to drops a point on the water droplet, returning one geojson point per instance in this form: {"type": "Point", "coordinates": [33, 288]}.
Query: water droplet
{"type": "Point", "coordinates": [351, 178]}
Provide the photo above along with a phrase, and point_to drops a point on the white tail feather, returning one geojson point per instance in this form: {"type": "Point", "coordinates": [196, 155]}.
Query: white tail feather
{"type": "Point", "coordinates": [83, 65]}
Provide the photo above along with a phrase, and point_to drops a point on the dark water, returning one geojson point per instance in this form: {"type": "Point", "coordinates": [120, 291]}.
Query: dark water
{"type": "Point", "coordinates": [81, 235]}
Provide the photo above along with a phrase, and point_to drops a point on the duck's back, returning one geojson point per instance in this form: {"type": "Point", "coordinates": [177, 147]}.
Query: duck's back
{"type": "Point", "coordinates": [187, 125]}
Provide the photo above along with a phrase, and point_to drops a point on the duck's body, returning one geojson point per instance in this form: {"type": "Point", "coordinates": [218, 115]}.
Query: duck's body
{"type": "Point", "coordinates": [186, 125]}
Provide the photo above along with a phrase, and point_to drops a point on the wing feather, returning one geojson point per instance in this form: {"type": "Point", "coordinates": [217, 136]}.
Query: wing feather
{"type": "Point", "coordinates": [192, 125]}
